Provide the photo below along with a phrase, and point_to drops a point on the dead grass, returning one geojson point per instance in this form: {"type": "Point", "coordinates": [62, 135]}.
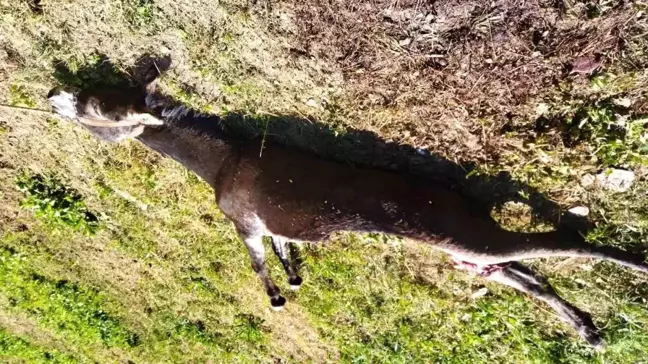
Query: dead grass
{"type": "Point", "coordinates": [459, 72]}
{"type": "Point", "coordinates": [487, 83]}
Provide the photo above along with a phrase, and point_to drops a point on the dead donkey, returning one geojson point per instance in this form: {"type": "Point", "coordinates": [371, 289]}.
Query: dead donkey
{"type": "Point", "coordinates": [292, 196]}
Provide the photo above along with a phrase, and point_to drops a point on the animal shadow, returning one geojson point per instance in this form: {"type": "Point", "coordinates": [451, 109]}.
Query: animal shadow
{"type": "Point", "coordinates": [360, 148]}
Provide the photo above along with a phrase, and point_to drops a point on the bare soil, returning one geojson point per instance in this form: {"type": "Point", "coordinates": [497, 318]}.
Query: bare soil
{"type": "Point", "coordinates": [462, 73]}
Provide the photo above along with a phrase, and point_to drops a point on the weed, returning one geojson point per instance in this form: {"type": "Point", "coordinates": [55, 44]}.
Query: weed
{"type": "Point", "coordinates": [16, 347]}
{"type": "Point", "coordinates": [196, 330]}
{"type": "Point", "coordinates": [69, 308]}
{"type": "Point", "coordinates": [89, 71]}
{"type": "Point", "coordinates": [250, 328]}
{"type": "Point", "coordinates": [172, 283]}
{"type": "Point", "coordinates": [19, 96]}
{"type": "Point", "coordinates": [618, 140]}
{"type": "Point", "coordinates": [140, 13]}
{"type": "Point", "coordinates": [56, 204]}
{"type": "Point", "coordinates": [181, 93]}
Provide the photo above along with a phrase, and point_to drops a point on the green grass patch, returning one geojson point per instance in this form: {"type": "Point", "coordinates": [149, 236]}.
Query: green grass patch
{"type": "Point", "coordinates": [618, 138]}
{"type": "Point", "coordinates": [76, 311]}
{"type": "Point", "coordinates": [17, 349]}
{"type": "Point", "coordinates": [20, 97]}
{"type": "Point", "coordinates": [162, 278]}
{"type": "Point", "coordinates": [56, 204]}
{"type": "Point", "coordinates": [140, 13]}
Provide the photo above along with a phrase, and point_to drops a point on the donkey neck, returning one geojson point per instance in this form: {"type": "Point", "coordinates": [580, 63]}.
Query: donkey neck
{"type": "Point", "coordinates": [193, 140]}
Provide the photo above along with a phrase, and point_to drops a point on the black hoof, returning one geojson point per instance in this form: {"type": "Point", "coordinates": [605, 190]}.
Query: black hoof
{"type": "Point", "coordinates": [295, 283]}
{"type": "Point", "coordinates": [593, 338]}
{"type": "Point", "coordinates": [277, 303]}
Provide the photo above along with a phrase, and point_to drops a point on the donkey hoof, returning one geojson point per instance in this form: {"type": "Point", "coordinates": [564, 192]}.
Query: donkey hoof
{"type": "Point", "coordinates": [277, 303]}
{"type": "Point", "coordinates": [595, 340]}
{"type": "Point", "coordinates": [295, 283]}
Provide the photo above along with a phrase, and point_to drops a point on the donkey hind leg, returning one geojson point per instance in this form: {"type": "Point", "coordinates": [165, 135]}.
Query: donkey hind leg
{"type": "Point", "coordinates": [280, 248]}
{"type": "Point", "coordinates": [254, 243]}
{"type": "Point", "coordinates": [508, 246]}
{"type": "Point", "coordinates": [524, 279]}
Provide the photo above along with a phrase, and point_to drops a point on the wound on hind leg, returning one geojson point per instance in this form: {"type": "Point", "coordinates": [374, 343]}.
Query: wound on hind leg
{"type": "Point", "coordinates": [483, 270]}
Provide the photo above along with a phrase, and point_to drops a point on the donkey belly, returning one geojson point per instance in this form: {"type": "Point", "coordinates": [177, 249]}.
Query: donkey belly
{"type": "Point", "coordinates": [305, 198]}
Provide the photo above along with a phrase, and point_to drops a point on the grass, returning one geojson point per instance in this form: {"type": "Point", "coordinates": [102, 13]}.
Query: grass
{"type": "Point", "coordinates": [16, 349]}
{"type": "Point", "coordinates": [56, 204]}
{"type": "Point", "coordinates": [113, 253]}
{"type": "Point", "coordinates": [72, 310]}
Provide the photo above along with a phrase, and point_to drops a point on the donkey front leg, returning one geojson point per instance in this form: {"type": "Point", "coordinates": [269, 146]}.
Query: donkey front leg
{"type": "Point", "coordinates": [524, 279]}
{"type": "Point", "coordinates": [254, 243]}
{"type": "Point", "coordinates": [280, 247]}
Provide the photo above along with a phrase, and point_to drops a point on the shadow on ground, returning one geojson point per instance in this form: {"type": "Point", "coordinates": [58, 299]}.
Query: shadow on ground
{"type": "Point", "coordinates": [363, 149]}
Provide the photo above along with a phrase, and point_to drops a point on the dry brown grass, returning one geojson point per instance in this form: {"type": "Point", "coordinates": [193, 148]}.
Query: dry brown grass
{"type": "Point", "coordinates": [463, 80]}
{"type": "Point", "coordinates": [451, 75]}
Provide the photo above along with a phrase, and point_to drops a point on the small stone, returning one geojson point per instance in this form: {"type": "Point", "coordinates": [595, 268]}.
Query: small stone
{"type": "Point", "coordinates": [405, 42]}
{"type": "Point", "coordinates": [581, 282]}
{"type": "Point", "coordinates": [311, 103]}
{"type": "Point", "coordinates": [623, 101]}
{"type": "Point", "coordinates": [580, 210]}
{"type": "Point", "coordinates": [621, 120]}
{"type": "Point", "coordinates": [542, 109]}
{"type": "Point", "coordinates": [587, 180]}
{"type": "Point", "coordinates": [479, 293]}
{"type": "Point", "coordinates": [585, 65]}
{"type": "Point", "coordinates": [617, 180]}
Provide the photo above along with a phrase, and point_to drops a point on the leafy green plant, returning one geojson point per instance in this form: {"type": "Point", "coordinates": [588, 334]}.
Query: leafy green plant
{"type": "Point", "coordinates": [20, 97]}
{"type": "Point", "coordinates": [619, 140]}
{"type": "Point", "coordinates": [197, 331]}
{"type": "Point", "coordinates": [249, 327]}
{"type": "Point", "coordinates": [140, 12]}
{"type": "Point", "coordinates": [16, 347]}
{"type": "Point", "coordinates": [56, 204]}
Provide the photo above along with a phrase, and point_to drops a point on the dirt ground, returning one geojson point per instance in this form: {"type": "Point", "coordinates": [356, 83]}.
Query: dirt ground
{"type": "Point", "coordinates": [445, 64]}
{"type": "Point", "coordinates": [509, 102]}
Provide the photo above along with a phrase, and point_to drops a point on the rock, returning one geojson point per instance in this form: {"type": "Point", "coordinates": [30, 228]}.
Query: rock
{"type": "Point", "coordinates": [587, 180]}
{"type": "Point", "coordinates": [612, 179]}
{"type": "Point", "coordinates": [580, 210]}
{"type": "Point", "coordinates": [479, 293]}
{"type": "Point", "coordinates": [542, 109]}
{"type": "Point", "coordinates": [622, 101]}
{"type": "Point", "coordinates": [585, 65]}
{"type": "Point", "coordinates": [311, 103]}
{"type": "Point", "coordinates": [405, 42]}
{"type": "Point", "coordinates": [617, 180]}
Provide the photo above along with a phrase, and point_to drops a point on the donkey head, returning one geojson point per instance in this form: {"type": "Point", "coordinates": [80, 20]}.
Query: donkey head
{"type": "Point", "coordinates": [110, 114]}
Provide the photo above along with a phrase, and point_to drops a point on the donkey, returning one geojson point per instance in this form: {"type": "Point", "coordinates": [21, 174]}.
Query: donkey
{"type": "Point", "coordinates": [293, 196]}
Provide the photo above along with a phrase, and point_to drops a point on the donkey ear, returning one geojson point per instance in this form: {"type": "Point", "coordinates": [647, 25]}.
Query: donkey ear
{"type": "Point", "coordinates": [149, 80]}
{"type": "Point", "coordinates": [150, 87]}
